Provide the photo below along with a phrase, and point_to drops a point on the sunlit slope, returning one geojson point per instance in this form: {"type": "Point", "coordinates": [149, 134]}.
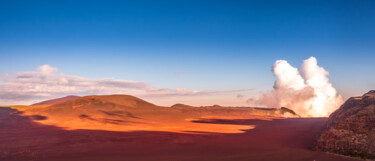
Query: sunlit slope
{"type": "Point", "coordinates": [56, 101]}
{"type": "Point", "coordinates": [128, 113]}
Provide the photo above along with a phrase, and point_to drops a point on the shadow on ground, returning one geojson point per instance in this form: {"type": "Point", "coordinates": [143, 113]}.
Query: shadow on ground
{"type": "Point", "coordinates": [286, 139]}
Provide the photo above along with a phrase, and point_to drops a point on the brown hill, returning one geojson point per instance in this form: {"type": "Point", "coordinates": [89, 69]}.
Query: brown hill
{"type": "Point", "coordinates": [106, 106]}
{"type": "Point", "coordinates": [57, 100]}
{"type": "Point", "coordinates": [128, 113]}
{"type": "Point", "coordinates": [351, 128]}
{"type": "Point", "coordinates": [107, 100]}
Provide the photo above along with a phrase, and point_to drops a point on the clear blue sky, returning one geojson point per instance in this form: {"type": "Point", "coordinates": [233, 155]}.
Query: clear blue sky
{"type": "Point", "coordinates": [217, 45]}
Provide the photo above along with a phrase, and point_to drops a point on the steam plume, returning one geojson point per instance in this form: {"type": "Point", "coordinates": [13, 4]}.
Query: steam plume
{"type": "Point", "coordinates": [307, 91]}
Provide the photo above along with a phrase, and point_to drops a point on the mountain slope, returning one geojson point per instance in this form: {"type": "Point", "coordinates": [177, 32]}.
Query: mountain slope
{"type": "Point", "coordinates": [57, 100]}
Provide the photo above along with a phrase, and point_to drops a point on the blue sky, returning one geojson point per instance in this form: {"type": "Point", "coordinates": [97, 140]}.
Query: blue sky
{"type": "Point", "coordinates": [197, 45]}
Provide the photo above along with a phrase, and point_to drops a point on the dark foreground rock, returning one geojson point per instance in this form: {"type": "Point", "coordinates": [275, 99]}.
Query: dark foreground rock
{"type": "Point", "coordinates": [351, 128]}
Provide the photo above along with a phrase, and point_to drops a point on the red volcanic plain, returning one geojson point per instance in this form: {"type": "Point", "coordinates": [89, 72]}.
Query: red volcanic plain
{"type": "Point", "coordinates": [121, 127]}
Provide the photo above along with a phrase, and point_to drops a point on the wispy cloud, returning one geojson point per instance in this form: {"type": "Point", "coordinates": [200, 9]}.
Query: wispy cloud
{"type": "Point", "coordinates": [240, 96]}
{"type": "Point", "coordinates": [179, 72]}
{"type": "Point", "coordinates": [47, 82]}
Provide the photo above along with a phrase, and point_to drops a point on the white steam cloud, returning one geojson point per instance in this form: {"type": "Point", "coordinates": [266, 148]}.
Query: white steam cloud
{"type": "Point", "coordinates": [306, 90]}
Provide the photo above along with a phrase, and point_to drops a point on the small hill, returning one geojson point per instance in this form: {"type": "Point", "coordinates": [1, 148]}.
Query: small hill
{"type": "Point", "coordinates": [351, 129]}
{"type": "Point", "coordinates": [180, 105]}
{"type": "Point", "coordinates": [102, 100]}
{"type": "Point", "coordinates": [286, 112]}
{"type": "Point", "coordinates": [101, 106]}
{"type": "Point", "coordinates": [57, 100]}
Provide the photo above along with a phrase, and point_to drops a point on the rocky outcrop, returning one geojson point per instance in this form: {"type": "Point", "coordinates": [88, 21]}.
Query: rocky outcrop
{"type": "Point", "coordinates": [351, 129]}
{"type": "Point", "coordinates": [288, 112]}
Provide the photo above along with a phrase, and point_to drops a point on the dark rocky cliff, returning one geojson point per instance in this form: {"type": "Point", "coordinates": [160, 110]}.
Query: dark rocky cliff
{"type": "Point", "coordinates": [351, 129]}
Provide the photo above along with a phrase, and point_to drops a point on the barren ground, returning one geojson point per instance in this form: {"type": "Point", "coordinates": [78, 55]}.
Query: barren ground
{"type": "Point", "coordinates": [280, 139]}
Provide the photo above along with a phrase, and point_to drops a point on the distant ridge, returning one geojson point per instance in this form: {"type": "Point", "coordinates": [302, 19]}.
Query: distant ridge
{"type": "Point", "coordinates": [180, 105]}
{"type": "Point", "coordinates": [56, 100]}
{"type": "Point", "coordinates": [283, 111]}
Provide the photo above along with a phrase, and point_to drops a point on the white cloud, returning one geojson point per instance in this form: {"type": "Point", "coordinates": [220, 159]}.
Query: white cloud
{"type": "Point", "coordinates": [240, 96]}
{"type": "Point", "coordinates": [46, 69]}
{"type": "Point", "coordinates": [307, 90]}
{"type": "Point", "coordinates": [46, 83]}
